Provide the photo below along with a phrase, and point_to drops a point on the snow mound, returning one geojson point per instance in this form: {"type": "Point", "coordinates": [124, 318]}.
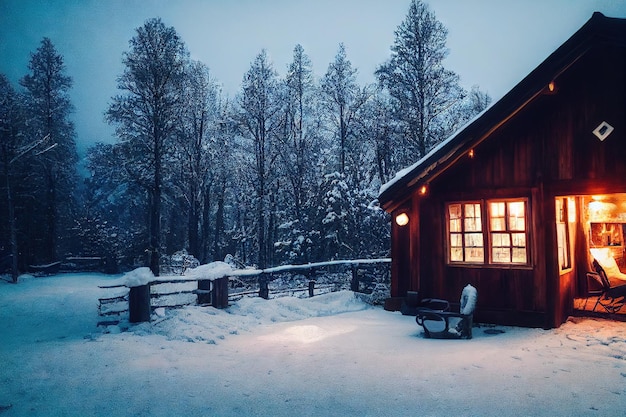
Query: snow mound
{"type": "Point", "coordinates": [211, 271]}
{"type": "Point", "coordinates": [138, 277]}
{"type": "Point", "coordinates": [210, 325]}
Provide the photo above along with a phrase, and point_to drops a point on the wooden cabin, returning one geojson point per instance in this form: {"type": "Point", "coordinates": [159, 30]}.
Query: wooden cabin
{"type": "Point", "coordinates": [513, 202]}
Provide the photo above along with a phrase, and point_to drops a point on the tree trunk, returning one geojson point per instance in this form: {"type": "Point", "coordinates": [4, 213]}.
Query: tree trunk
{"type": "Point", "coordinates": [192, 227]}
{"type": "Point", "coordinates": [51, 221]}
{"type": "Point", "coordinates": [12, 225]}
{"type": "Point", "coordinates": [219, 225]}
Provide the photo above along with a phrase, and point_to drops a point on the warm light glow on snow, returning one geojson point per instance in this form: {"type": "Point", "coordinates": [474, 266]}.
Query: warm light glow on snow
{"type": "Point", "coordinates": [306, 334]}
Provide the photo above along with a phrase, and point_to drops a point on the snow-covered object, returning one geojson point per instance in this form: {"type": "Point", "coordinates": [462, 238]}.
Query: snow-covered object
{"type": "Point", "coordinates": [211, 271]}
{"type": "Point", "coordinates": [469, 295]}
{"type": "Point", "coordinates": [138, 277]}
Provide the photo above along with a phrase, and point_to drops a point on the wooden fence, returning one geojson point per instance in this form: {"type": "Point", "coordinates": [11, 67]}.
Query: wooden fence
{"type": "Point", "coordinates": [171, 292]}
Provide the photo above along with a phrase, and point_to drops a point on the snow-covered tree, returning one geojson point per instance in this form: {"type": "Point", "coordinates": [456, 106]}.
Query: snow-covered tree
{"type": "Point", "coordinates": [48, 105]}
{"type": "Point", "coordinates": [259, 116]}
{"type": "Point", "coordinates": [300, 140]}
{"type": "Point", "coordinates": [146, 114]}
{"type": "Point", "coordinates": [112, 220]}
{"type": "Point", "coordinates": [421, 89]}
{"type": "Point", "coordinates": [11, 148]}
{"type": "Point", "coordinates": [199, 121]}
{"type": "Point", "coordinates": [342, 98]}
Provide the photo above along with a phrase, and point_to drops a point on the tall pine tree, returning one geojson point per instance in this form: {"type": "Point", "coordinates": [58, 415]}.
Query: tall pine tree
{"type": "Point", "coordinates": [421, 89]}
{"type": "Point", "coordinates": [54, 169]}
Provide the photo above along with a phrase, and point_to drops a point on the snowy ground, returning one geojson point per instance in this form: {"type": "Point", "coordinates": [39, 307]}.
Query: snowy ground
{"type": "Point", "coordinates": [331, 355]}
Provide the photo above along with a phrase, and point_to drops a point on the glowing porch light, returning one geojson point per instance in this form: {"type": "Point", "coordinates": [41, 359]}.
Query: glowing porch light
{"type": "Point", "coordinates": [471, 153]}
{"type": "Point", "coordinates": [551, 86]}
{"type": "Point", "coordinates": [402, 219]}
{"type": "Point", "coordinates": [423, 190]}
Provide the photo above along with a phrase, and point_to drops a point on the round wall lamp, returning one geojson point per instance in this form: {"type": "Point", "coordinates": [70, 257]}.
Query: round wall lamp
{"type": "Point", "coordinates": [402, 219]}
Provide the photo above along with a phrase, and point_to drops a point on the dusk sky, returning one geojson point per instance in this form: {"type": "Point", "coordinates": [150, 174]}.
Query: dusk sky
{"type": "Point", "coordinates": [492, 43]}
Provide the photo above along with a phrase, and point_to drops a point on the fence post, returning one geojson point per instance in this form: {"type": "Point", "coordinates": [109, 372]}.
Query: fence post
{"type": "Point", "coordinates": [311, 288]}
{"type": "Point", "coordinates": [219, 295]}
{"type": "Point", "coordinates": [264, 291]}
{"type": "Point", "coordinates": [139, 304]}
{"type": "Point", "coordinates": [354, 283]}
{"type": "Point", "coordinates": [204, 286]}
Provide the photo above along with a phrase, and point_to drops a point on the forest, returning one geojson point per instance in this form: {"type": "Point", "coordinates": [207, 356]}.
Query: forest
{"type": "Point", "coordinates": [285, 172]}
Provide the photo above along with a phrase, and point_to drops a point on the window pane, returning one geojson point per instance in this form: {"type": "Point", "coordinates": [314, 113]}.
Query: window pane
{"type": "Point", "coordinates": [500, 240]}
{"type": "Point", "coordinates": [474, 240]}
{"type": "Point", "coordinates": [496, 209]}
{"type": "Point", "coordinates": [472, 225]}
{"type": "Point", "coordinates": [501, 255]}
{"type": "Point", "coordinates": [456, 254]}
{"type": "Point", "coordinates": [497, 224]}
{"type": "Point", "coordinates": [474, 255]}
{"type": "Point", "coordinates": [454, 210]}
{"type": "Point", "coordinates": [519, 239]}
{"type": "Point", "coordinates": [455, 225]}
{"type": "Point", "coordinates": [519, 255]}
{"type": "Point", "coordinates": [517, 224]}
{"type": "Point", "coordinates": [516, 208]}
{"type": "Point", "coordinates": [516, 215]}
{"type": "Point", "coordinates": [456, 240]}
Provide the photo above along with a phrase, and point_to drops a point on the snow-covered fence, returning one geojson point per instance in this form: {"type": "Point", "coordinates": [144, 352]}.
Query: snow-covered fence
{"type": "Point", "coordinates": [215, 283]}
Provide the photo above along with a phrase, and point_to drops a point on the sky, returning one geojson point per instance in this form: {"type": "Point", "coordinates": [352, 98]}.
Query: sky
{"type": "Point", "coordinates": [492, 43]}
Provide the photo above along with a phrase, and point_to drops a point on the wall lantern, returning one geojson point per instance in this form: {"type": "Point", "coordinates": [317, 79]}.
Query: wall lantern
{"type": "Point", "coordinates": [423, 190]}
{"type": "Point", "coordinates": [402, 219]}
{"type": "Point", "coordinates": [551, 86]}
{"type": "Point", "coordinates": [471, 153]}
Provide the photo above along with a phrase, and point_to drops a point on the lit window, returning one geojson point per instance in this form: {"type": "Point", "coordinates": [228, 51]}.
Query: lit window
{"type": "Point", "coordinates": [466, 236]}
{"type": "Point", "coordinates": [507, 228]}
{"type": "Point", "coordinates": [505, 231]}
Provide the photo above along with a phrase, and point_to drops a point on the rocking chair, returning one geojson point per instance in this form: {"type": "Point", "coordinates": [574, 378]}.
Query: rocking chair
{"type": "Point", "coordinates": [449, 324]}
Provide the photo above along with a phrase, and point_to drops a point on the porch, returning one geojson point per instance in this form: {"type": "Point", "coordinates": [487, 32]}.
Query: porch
{"type": "Point", "coordinates": [584, 307]}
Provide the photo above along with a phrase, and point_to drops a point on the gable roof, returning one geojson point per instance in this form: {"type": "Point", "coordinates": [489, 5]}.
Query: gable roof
{"type": "Point", "coordinates": [596, 31]}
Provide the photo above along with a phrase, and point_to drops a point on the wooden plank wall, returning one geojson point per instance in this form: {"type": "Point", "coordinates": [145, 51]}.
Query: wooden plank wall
{"type": "Point", "coordinates": [546, 150]}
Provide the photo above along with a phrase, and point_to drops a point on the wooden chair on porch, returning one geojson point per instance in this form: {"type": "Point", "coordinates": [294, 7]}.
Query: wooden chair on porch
{"type": "Point", "coordinates": [610, 289]}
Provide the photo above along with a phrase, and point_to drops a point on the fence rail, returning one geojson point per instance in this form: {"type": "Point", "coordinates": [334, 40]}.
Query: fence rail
{"type": "Point", "coordinates": [357, 275]}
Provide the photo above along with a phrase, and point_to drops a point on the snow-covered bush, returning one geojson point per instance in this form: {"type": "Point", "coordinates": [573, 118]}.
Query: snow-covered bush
{"type": "Point", "coordinates": [179, 262]}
